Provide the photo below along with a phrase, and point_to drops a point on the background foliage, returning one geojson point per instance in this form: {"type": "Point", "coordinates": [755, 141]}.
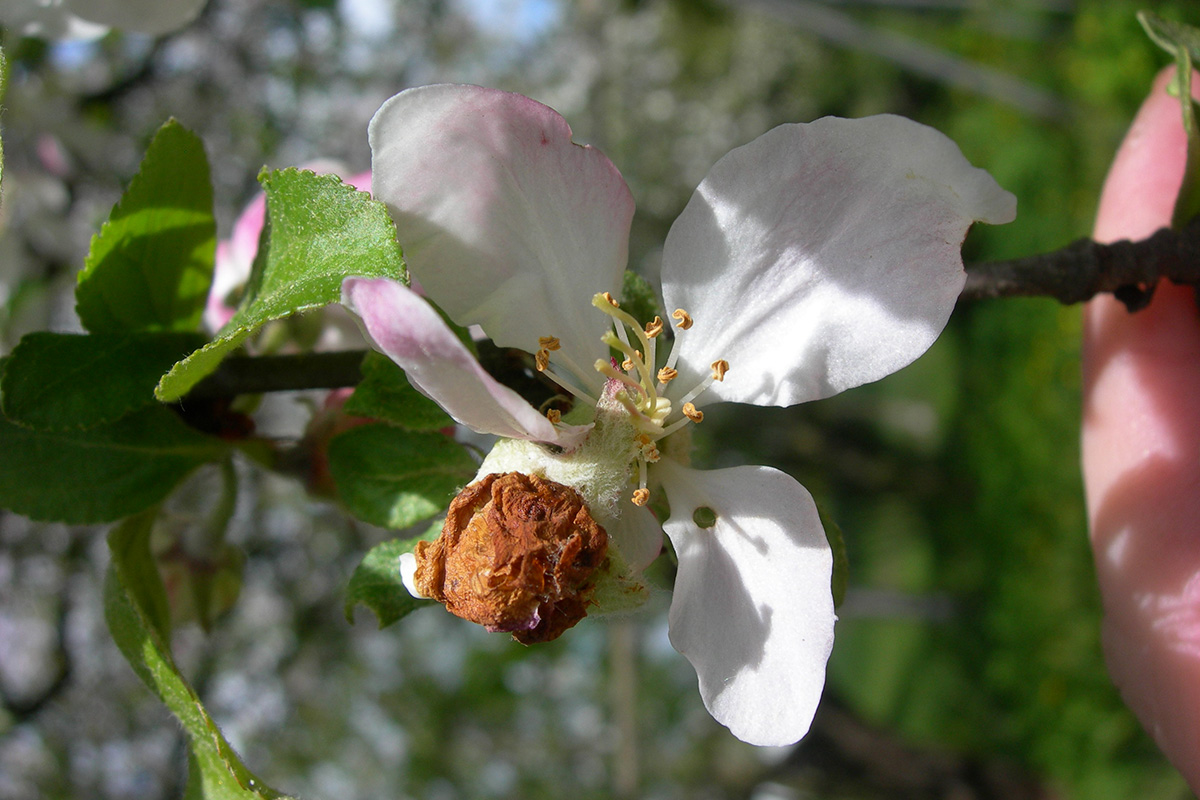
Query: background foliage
{"type": "Point", "coordinates": [967, 662]}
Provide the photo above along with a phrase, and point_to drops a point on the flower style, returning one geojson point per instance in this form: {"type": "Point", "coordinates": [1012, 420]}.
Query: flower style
{"type": "Point", "coordinates": [816, 258]}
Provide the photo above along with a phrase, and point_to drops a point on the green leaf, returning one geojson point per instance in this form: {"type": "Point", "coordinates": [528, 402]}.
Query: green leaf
{"type": "Point", "coordinates": [385, 394]}
{"type": "Point", "coordinates": [129, 542]}
{"type": "Point", "coordinates": [1183, 43]}
{"type": "Point", "coordinates": [841, 563]}
{"type": "Point", "coordinates": [638, 297]}
{"type": "Point", "coordinates": [3, 91]}
{"type": "Point", "coordinates": [377, 585]}
{"type": "Point", "coordinates": [396, 478]}
{"type": "Point", "coordinates": [101, 474]}
{"type": "Point", "coordinates": [319, 232]}
{"type": "Point", "coordinates": [61, 381]}
{"type": "Point", "coordinates": [150, 266]}
{"type": "Point", "coordinates": [134, 602]}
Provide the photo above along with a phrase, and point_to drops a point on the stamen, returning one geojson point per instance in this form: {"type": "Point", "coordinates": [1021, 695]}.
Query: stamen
{"type": "Point", "coordinates": [640, 497]}
{"type": "Point", "coordinates": [548, 342]}
{"type": "Point", "coordinates": [636, 360]}
{"type": "Point", "coordinates": [667, 374]}
{"type": "Point", "coordinates": [565, 360]}
{"type": "Point", "coordinates": [719, 368]}
{"type": "Point", "coordinates": [654, 328]}
{"type": "Point", "coordinates": [579, 393]}
{"type": "Point", "coordinates": [621, 336]}
{"type": "Point", "coordinates": [674, 426]}
{"type": "Point", "coordinates": [554, 415]}
{"type": "Point", "coordinates": [691, 412]}
{"type": "Point", "coordinates": [541, 360]}
{"type": "Point", "coordinates": [682, 318]}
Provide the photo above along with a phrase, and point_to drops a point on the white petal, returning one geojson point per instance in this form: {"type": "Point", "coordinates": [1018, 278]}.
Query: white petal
{"type": "Point", "coordinates": [408, 573]}
{"type": "Point", "coordinates": [636, 534]}
{"type": "Point", "coordinates": [154, 17]}
{"type": "Point", "coordinates": [504, 220]}
{"type": "Point", "coordinates": [753, 609]}
{"type": "Point", "coordinates": [823, 256]}
{"type": "Point", "coordinates": [406, 329]}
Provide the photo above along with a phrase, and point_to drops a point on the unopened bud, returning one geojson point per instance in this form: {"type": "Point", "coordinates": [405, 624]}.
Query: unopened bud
{"type": "Point", "coordinates": [517, 554]}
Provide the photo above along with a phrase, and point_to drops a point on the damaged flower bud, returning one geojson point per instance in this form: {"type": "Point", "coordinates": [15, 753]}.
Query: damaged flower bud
{"type": "Point", "coordinates": [517, 554]}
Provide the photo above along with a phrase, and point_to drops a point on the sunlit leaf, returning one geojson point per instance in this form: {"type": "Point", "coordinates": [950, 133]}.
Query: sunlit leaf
{"type": "Point", "coordinates": [134, 607]}
{"type": "Point", "coordinates": [61, 381]}
{"type": "Point", "coordinates": [376, 581]}
{"type": "Point", "coordinates": [151, 264]}
{"type": "Point", "coordinates": [319, 232]}
{"type": "Point", "coordinates": [385, 394]}
{"type": "Point", "coordinates": [101, 474]}
{"type": "Point", "coordinates": [396, 478]}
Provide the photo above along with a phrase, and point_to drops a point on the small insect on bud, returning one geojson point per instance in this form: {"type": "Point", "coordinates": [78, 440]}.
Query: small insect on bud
{"type": "Point", "coordinates": [517, 554]}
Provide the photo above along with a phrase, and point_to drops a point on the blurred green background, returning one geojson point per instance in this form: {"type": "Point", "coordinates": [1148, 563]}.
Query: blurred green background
{"type": "Point", "coordinates": [967, 662]}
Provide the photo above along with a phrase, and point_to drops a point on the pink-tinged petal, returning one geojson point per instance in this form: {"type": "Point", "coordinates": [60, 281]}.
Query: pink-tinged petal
{"type": "Point", "coordinates": [823, 256]}
{"type": "Point", "coordinates": [406, 329]}
{"type": "Point", "coordinates": [637, 535]}
{"type": "Point", "coordinates": [753, 609]}
{"type": "Point", "coordinates": [505, 221]}
{"type": "Point", "coordinates": [154, 17]}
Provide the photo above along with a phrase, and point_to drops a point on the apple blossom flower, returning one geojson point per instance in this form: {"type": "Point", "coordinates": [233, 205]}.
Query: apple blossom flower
{"type": "Point", "coordinates": [90, 19]}
{"type": "Point", "coordinates": [816, 258]}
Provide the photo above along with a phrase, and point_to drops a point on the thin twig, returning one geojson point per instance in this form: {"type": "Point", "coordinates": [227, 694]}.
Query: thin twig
{"type": "Point", "coordinates": [1084, 269]}
{"type": "Point", "coordinates": [1073, 274]}
{"type": "Point", "coordinates": [281, 373]}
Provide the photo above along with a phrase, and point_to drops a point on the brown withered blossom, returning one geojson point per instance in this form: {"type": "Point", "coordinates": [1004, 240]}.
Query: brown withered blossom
{"type": "Point", "coordinates": [517, 554]}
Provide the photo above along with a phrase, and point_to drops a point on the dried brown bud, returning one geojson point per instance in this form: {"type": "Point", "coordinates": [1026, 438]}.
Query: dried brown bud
{"type": "Point", "coordinates": [517, 554]}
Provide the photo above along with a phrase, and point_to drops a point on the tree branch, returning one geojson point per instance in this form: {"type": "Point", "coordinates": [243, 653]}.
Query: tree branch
{"type": "Point", "coordinates": [286, 373]}
{"type": "Point", "coordinates": [1077, 272]}
{"type": "Point", "coordinates": [1084, 269]}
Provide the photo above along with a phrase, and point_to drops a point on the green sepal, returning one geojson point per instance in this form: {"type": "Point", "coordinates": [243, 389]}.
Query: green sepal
{"type": "Point", "coordinates": [638, 297]}
{"type": "Point", "coordinates": [150, 266]}
{"type": "Point", "coordinates": [841, 563]}
{"type": "Point", "coordinates": [134, 608]}
{"type": "Point", "coordinates": [101, 474]}
{"type": "Point", "coordinates": [319, 232]}
{"type": "Point", "coordinates": [396, 478]}
{"type": "Point", "coordinates": [1183, 43]}
{"type": "Point", "coordinates": [386, 395]}
{"type": "Point", "coordinates": [64, 381]}
{"type": "Point", "coordinates": [376, 581]}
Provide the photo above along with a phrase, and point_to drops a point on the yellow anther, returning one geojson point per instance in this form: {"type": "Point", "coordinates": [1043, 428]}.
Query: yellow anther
{"type": "Point", "coordinates": [548, 342]}
{"type": "Point", "coordinates": [608, 296]}
{"type": "Point", "coordinates": [541, 360]}
{"type": "Point", "coordinates": [654, 328]}
{"type": "Point", "coordinates": [719, 368]}
{"type": "Point", "coordinates": [554, 415]}
{"type": "Point", "coordinates": [642, 439]}
{"type": "Point", "coordinates": [682, 318]}
{"type": "Point", "coordinates": [667, 374]}
{"type": "Point", "coordinates": [628, 364]}
{"type": "Point", "coordinates": [640, 497]}
{"type": "Point", "coordinates": [691, 412]}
